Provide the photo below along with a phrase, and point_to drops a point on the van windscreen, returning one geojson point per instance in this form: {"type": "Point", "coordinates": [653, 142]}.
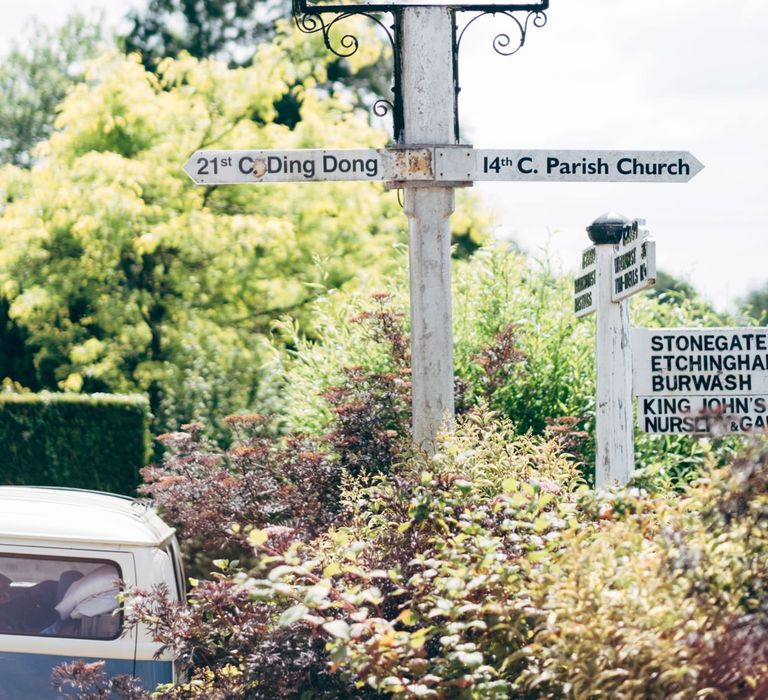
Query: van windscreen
{"type": "Point", "coordinates": [59, 597]}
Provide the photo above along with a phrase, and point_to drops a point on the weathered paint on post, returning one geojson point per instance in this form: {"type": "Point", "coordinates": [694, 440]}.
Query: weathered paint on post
{"type": "Point", "coordinates": [615, 448]}
{"type": "Point", "coordinates": [426, 45]}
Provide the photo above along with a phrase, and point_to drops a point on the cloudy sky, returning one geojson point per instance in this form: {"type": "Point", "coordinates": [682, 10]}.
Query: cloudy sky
{"type": "Point", "coordinates": [687, 75]}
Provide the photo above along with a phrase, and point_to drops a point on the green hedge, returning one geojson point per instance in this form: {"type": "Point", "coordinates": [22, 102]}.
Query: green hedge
{"type": "Point", "coordinates": [97, 441]}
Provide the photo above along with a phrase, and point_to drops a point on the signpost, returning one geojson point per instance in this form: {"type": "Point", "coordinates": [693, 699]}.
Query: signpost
{"type": "Point", "coordinates": [701, 381]}
{"type": "Point", "coordinates": [621, 263]}
{"type": "Point", "coordinates": [428, 164]}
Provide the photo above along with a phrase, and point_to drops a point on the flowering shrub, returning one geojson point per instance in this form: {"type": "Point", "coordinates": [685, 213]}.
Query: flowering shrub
{"type": "Point", "coordinates": [359, 568]}
{"type": "Point", "coordinates": [489, 571]}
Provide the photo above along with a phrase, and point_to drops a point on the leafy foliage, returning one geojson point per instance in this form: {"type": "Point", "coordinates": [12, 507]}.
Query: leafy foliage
{"type": "Point", "coordinates": [255, 481]}
{"type": "Point", "coordinates": [489, 571]}
{"type": "Point", "coordinates": [74, 440]}
{"type": "Point", "coordinates": [486, 570]}
{"type": "Point", "coordinates": [35, 76]}
{"type": "Point", "coordinates": [669, 289]}
{"type": "Point", "coordinates": [117, 274]}
{"type": "Point", "coordinates": [88, 680]}
{"type": "Point", "coordinates": [516, 345]}
{"type": "Point", "coordinates": [208, 29]}
{"type": "Point", "coordinates": [517, 349]}
{"type": "Point", "coordinates": [755, 305]}
{"type": "Point", "coordinates": [231, 31]}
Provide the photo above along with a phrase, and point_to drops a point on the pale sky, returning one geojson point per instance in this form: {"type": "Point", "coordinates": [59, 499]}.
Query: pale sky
{"type": "Point", "coordinates": [688, 75]}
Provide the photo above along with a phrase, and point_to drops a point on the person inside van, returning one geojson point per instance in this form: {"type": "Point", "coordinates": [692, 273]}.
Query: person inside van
{"type": "Point", "coordinates": [26, 610]}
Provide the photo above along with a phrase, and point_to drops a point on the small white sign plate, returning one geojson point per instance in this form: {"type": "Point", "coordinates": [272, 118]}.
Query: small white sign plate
{"type": "Point", "coordinates": [565, 166]}
{"type": "Point", "coordinates": [310, 165]}
{"type": "Point", "coordinates": [700, 361]}
{"type": "Point", "coordinates": [634, 269]}
{"type": "Point", "coordinates": [702, 415]}
{"type": "Point", "coordinates": [584, 285]}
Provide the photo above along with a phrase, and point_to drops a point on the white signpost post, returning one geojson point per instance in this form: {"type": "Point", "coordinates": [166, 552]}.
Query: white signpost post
{"type": "Point", "coordinates": [621, 263]}
{"type": "Point", "coordinates": [701, 381]}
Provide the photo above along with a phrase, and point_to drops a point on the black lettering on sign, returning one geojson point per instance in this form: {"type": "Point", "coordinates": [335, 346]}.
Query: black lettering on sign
{"type": "Point", "coordinates": [702, 382]}
{"type": "Point", "coordinates": [204, 163]}
{"type": "Point", "coordinates": [730, 405]}
{"type": "Point", "coordinates": [523, 165]}
{"type": "Point", "coordinates": [494, 165]}
{"type": "Point", "coordinates": [583, 282]}
{"type": "Point", "coordinates": [582, 302]}
{"type": "Point", "coordinates": [630, 234]}
{"type": "Point", "coordinates": [622, 262]}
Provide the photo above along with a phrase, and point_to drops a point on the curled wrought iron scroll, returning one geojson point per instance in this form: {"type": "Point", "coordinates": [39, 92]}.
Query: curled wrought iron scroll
{"type": "Point", "coordinates": [348, 44]}
{"type": "Point", "coordinates": [382, 107]}
{"type": "Point", "coordinates": [503, 43]}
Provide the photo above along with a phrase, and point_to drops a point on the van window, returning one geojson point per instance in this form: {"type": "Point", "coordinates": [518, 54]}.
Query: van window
{"type": "Point", "coordinates": [59, 597]}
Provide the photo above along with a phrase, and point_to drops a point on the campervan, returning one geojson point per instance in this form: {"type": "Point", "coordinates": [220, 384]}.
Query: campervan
{"type": "Point", "coordinates": [65, 555]}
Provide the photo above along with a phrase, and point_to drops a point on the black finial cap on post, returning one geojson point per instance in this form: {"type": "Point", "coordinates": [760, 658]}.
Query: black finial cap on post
{"type": "Point", "coordinates": [608, 228]}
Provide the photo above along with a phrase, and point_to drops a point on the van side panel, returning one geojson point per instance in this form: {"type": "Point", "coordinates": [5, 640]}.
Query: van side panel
{"type": "Point", "coordinates": [27, 676]}
{"type": "Point", "coordinates": [153, 673]}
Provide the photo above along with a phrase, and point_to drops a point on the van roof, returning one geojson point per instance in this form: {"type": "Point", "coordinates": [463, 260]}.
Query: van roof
{"type": "Point", "coordinates": [72, 515]}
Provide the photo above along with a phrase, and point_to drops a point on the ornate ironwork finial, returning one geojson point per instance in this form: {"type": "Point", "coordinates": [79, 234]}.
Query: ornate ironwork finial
{"type": "Point", "coordinates": [309, 18]}
{"type": "Point", "coordinates": [503, 43]}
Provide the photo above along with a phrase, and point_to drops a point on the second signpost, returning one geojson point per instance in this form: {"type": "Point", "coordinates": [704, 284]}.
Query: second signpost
{"type": "Point", "coordinates": [621, 263]}
{"type": "Point", "coordinates": [687, 381]}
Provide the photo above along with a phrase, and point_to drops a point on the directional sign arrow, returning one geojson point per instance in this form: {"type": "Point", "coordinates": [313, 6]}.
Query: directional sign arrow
{"type": "Point", "coordinates": [634, 269]}
{"type": "Point", "coordinates": [565, 166]}
{"type": "Point", "coordinates": [310, 165]}
{"type": "Point", "coordinates": [438, 164]}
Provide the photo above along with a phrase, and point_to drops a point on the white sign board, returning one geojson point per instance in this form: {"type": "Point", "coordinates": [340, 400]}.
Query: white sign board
{"type": "Point", "coordinates": [702, 415]}
{"type": "Point", "coordinates": [700, 380]}
{"type": "Point", "coordinates": [310, 165]}
{"type": "Point", "coordinates": [584, 285]}
{"type": "Point", "coordinates": [634, 269]}
{"type": "Point", "coordinates": [458, 164]}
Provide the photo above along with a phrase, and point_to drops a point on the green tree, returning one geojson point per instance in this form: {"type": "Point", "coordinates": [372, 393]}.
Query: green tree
{"type": "Point", "coordinates": [755, 305]}
{"type": "Point", "coordinates": [231, 30]}
{"type": "Point", "coordinates": [225, 29]}
{"type": "Point", "coordinates": [669, 288]}
{"type": "Point", "coordinates": [34, 78]}
{"type": "Point", "coordinates": [118, 274]}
